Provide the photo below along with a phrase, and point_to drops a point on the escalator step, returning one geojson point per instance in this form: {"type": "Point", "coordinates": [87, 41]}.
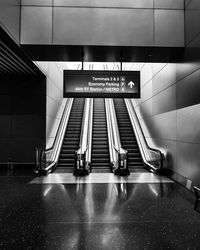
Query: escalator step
{"type": "Point", "coordinates": [127, 135]}
{"type": "Point", "coordinates": [100, 149]}
{"type": "Point", "coordinates": [72, 136]}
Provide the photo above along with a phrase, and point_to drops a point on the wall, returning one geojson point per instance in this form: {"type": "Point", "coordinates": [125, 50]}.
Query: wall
{"type": "Point", "coordinates": [113, 22]}
{"type": "Point", "coordinates": [22, 117]}
{"type": "Point", "coordinates": [169, 108]}
{"type": "Point", "coordinates": [10, 17]}
{"type": "Point", "coordinates": [54, 98]}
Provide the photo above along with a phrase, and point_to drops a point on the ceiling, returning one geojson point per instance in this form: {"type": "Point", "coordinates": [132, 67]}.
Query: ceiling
{"type": "Point", "coordinates": [101, 53]}
{"type": "Point", "coordinates": [13, 60]}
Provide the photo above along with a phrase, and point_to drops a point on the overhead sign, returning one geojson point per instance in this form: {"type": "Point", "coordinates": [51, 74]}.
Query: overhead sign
{"type": "Point", "coordinates": [123, 84]}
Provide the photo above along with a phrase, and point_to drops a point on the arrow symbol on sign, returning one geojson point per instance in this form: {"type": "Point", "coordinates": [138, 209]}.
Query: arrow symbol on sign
{"type": "Point", "coordinates": [131, 84]}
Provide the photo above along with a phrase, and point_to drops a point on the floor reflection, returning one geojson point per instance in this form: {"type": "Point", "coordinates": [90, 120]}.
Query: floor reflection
{"type": "Point", "coordinates": [96, 216]}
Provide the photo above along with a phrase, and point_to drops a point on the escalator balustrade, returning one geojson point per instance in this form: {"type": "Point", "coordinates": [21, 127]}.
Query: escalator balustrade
{"type": "Point", "coordinates": [67, 158]}
{"type": "Point", "coordinates": [127, 136]}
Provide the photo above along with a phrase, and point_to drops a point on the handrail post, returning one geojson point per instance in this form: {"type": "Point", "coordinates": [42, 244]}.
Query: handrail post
{"type": "Point", "coordinates": [80, 163]}
{"type": "Point", "coordinates": [122, 163]}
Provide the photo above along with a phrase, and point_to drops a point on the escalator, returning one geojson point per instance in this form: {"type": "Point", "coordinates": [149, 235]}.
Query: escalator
{"type": "Point", "coordinates": [71, 140]}
{"type": "Point", "coordinates": [100, 149]}
{"type": "Point", "coordinates": [127, 136]}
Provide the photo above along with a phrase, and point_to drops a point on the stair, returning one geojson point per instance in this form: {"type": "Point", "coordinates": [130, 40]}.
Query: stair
{"type": "Point", "coordinates": [100, 150]}
{"type": "Point", "coordinates": [71, 140]}
{"type": "Point", "coordinates": [127, 136]}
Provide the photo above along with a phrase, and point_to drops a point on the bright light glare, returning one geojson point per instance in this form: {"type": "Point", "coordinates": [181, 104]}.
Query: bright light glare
{"type": "Point", "coordinates": [112, 66]}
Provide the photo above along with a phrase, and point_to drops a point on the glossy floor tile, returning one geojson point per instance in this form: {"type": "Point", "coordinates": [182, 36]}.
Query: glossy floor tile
{"type": "Point", "coordinates": [144, 177]}
{"type": "Point", "coordinates": [96, 216]}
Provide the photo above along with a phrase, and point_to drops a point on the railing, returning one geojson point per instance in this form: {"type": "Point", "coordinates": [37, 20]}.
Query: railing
{"type": "Point", "coordinates": [83, 154]}
{"type": "Point", "coordinates": [118, 156]}
{"type": "Point", "coordinates": [49, 157]}
{"type": "Point", "coordinates": [152, 158]}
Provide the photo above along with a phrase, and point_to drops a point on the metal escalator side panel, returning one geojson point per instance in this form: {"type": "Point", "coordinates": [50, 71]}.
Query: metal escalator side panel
{"type": "Point", "coordinates": [50, 155]}
{"type": "Point", "coordinates": [152, 158]}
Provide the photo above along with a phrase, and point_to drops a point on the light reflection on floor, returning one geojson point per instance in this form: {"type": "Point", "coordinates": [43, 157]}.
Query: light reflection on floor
{"type": "Point", "coordinates": [141, 211]}
{"type": "Point", "coordinates": [67, 178]}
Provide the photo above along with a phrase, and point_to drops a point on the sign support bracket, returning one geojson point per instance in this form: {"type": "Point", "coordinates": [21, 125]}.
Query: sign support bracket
{"type": "Point", "coordinates": [82, 59]}
{"type": "Point", "coordinates": [121, 61]}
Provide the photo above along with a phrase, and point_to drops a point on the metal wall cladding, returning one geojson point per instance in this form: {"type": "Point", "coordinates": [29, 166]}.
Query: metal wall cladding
{"type": "Point", "coordinates": [36, 25]}
{"type": "Point", "coordinates": [106, 3]}
{"type": "Point", "coordinates": [188, 120]}
{"type": "Point", "coordinates": [163, 126]}
{"type": "Point", "coordinates": [188, 161]}
{"type": "Point", "coordinates": [164, 101]}
{"type": "Point", "coordinates": [175, 87]}
{"type": "Point", "coordinates": [178, 127]}
{"type": "Point", "coordinates": [185, 69]}
{"type": "Point", "coordinates": [145, 109]}
{"type": "Point", "coordinates": [192, 53]}
{"type": "Point", "coordinates": [118, 23]}
{"type": "Point", "coordinates": [98, 26]}
{"type": "Point", "coordinates": [10, 17]}
{"type": "Point", "coordinates": [169, 4]}
{"type": "Point", "coordinates": [193, 4]}
{"type": "Point", "coordinates": [37, 2]}
{"type": "Point", "coordinates": [157, 67]}
{"type": "Point", "coordinates": [165, 78]}
{"type": "Point", "coordinates": [192, 19]}
{"type": "Point", "coordinates": [188, 90]}
{"type": "Point", "coordinates": [54, 98]}
{"type": "Point", "coordinates": [187, 2]}
{"type": "Point", "coordinates": [146, 74]}
{"type": "Point", "coordinates": [146, 91]}
{"type": "Point", "coordinates": [51, 127]}
{"type": "Point", "coordinates": [169, 28]}
{"type": "Point", "coordinates": [53, 91]}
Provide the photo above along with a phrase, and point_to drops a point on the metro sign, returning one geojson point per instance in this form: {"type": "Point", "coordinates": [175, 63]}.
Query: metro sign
{"type": "Point", "coordinates": [131, 84]}
{"type": "Point", "coordinates": [108, 84]}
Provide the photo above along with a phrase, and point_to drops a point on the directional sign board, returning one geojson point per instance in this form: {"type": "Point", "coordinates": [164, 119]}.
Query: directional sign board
{"type": "Point", "coordinates": [123, 84]}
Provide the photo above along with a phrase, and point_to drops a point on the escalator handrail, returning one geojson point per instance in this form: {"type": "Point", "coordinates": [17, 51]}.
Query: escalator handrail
{"type": "Point", "coordinates": [113, 133]}
{"type": "Point", "coordinates": [115, 125]}
{"type": "Point", "coordinates": [89, 137]}
{"type": "Point", "coordinates": [143, 145]}
{"type": "Point", "coordinates": [153, 149]}
{"type": "Point", "coordinates": [58, 140]}
{"type": "Point", "coordinates": [86, 130]}
{"type": "Point", "coordinates": [83, 127]}
{"type": "Point", "coordinates": [110, 133]}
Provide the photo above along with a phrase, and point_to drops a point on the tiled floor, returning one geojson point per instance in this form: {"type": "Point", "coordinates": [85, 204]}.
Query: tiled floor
{"type": "Point", "coordinates": [138, 215]}
{"type": "Point", "coordinates": [144, 177]}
